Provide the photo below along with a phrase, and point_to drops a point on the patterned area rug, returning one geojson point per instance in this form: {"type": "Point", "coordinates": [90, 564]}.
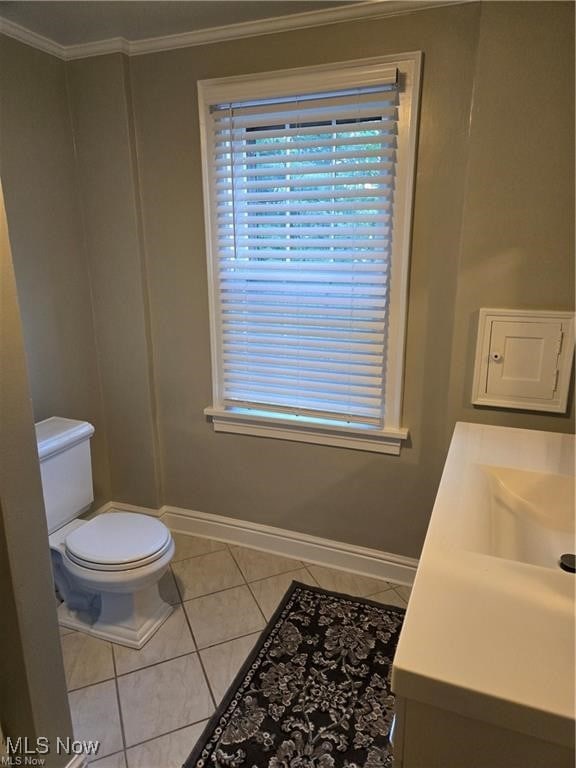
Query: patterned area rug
{"type": "Point", "coordinates": [314, 692]}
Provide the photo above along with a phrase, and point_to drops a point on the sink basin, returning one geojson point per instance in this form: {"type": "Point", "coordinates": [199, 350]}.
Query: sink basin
{"type": "Point", "coordinates": [487, 647]}
{"type": "Point", "coordinates": [531, 515]}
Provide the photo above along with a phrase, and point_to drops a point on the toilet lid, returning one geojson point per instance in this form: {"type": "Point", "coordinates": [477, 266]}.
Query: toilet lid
{"type": "Point", "coordinates": [118, 540]}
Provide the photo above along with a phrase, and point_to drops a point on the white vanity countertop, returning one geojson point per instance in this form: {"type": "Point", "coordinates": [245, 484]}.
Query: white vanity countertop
{"type": "Point", "coordinates": [487, 637]}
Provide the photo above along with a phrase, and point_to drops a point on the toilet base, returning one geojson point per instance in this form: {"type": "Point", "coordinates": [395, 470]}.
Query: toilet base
{"type": "Point", "coordinates": [124, 619]}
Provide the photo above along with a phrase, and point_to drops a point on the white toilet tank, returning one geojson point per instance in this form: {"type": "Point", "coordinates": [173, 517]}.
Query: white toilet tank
{"type": "Point", "coordinates": [64, 453]}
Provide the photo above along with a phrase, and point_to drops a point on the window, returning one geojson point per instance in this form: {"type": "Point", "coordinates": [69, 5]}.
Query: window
{"type": "Point", "coordinates": [308, 193]}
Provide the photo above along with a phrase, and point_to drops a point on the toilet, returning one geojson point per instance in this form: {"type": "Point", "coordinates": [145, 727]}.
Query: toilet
{"type": "Point", "coordinates": [106, 569]}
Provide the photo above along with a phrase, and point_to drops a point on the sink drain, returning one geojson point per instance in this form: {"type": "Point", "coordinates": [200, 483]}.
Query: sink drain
{"type": "Point", "coordinates": [568, 563]}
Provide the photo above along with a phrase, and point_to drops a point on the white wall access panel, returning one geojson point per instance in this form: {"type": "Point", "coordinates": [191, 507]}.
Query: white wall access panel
{"type": "Point", "coordinates": [523, 359]}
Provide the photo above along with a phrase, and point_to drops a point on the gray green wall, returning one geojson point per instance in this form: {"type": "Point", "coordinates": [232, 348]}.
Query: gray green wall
{"type": "Point", "coordinates": [32, 691]}
{"type": "Point", "coordinates": [39, 174]}
{"type": "Point", "coordinates": [357, 497]}
{"type": "Point", "coordinates": [102, 116]}
{"type": "Point", "coordinates": [517, 242]}
{"type": "Point", "coordinates": [492, 226]}
{"type": "Point", "coordinates": [470, 53]}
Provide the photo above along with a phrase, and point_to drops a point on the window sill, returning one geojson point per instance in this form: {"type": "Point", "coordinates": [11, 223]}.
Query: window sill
{"type": "Point", "coordinates": [378, 441]}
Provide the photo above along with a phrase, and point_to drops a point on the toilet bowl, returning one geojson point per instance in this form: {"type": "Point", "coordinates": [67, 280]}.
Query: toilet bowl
{"type": "Point", "coordinates": [107, 572]}
{"type": "Point", "coordinates": [107, 569]}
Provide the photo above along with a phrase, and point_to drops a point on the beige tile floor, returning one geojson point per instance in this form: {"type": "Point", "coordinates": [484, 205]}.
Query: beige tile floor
{"type": "Point", "coordinates": [148, 707]}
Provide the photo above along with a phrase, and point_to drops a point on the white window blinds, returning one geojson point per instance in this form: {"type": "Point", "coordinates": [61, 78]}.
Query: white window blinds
{"type": "Point", "coordinates": [302, 196]}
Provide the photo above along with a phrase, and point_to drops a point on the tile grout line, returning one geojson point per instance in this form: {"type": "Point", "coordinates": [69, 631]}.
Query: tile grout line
{"type": "Point", "coordinates": [210, 691]}
{"type": "Point", "coordinates": [385, 584]}
{"type": "Point", "coordinates": [200, 554]}
{"type": "Point", "coordinates": [112, 754]}
{"type": "Point", "coordinates": [90, 685]}
{"type": "Point", "coordinates": [173, 730]}
{"type": "Point", "coordinates": [250, 590]}
{"type": "Point", "coordinates": [168, 733]}
{"type": "Point", "coordinates": [122, 731]}
{"type": "Point", "coordinates": [309, 572]}
{"type": "Point", "coordinates": [231, 640]}
{"type": "Point", "coordinates": [404, 600]}
{"type": "Point", "coordinates": [157, 663]}
{"type": "Point", "coordinates": [280, 573]}
{"type": "Point", "coordinates": [258, 606]}
{"type": "Point", "coordinates": [209, 594]}
{"type": "Point", "coordinates": [247, 583]}
{"type": "Point", "coordinates": [201, 662]}
{"type": "Point", "coordinates": [263, 552]}
{"type": "Point", "coordinates": [215, 592]}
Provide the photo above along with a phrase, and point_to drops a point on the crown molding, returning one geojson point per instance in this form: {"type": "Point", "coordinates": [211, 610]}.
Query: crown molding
{"type": "Point", "coordinates": [101, 47]}
{"type": "Point", "coordinates": [306, 20]}
{"type": "Point", "coordinates": [23, 35]}
{"type": "Point", "coordinates": [369, 9]}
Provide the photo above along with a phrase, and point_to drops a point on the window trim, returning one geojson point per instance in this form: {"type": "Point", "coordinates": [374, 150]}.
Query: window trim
{"type": "Point", "coordinates": [348, 74]}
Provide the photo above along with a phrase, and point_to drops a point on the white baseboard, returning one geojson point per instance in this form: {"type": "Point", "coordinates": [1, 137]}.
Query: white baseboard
{"type": "Point", "coordinates": [301, 546]}
{"type": "Point", "coordinates": [279, 541]}
{"type": "Point", "coordinates": [120, 506]}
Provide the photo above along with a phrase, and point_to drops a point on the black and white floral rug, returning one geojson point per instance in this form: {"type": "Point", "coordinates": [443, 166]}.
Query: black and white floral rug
{"type": "Point", "coordinates": [314, 692]}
